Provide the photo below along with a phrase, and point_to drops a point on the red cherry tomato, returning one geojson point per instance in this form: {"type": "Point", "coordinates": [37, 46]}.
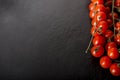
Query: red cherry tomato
{"type": "Point", "coordinates": [115, 69]}
{"type": "Point", "coordinates": [94, 31]}
{"type": "Point", "coordinates": [99, 40]}
{"type": "Point", "coordinates": [110, 15]}
{"type": "Point", "coordinates": [94, 22]}
{"type": "Point", "coordinates": [102, 27]}
{"type": "Point", "coordinates": [92, 14]}
{"type": "Point", "coordinates": [117, 26]}
{"type": "Point", "coordinates": [100, 16]}
{"type": "Point", "coordinates": [117, 3]}
{"type": "Point", "coordinates": [117, 39]}
{"type": "Point", "coordinates": [100, 8]}
{"type": "Point", "coordinates": [105, 62]}
{"type": "Point", "coordinates": [97, 51]}
{"type": "Point", "coordinates": [92, 6]}
{"type": "Point", "coordinates": [113, 53]}
{"type": "Point", "coordinates": [108, 34]}
{"type": "Point", "coordinates": [98, 1]}
{"type": "Point", "coordinates": [110, 45]}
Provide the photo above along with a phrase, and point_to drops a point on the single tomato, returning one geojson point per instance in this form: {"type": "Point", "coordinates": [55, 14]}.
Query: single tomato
{"type": "Point", "coordinates": [105, 62]}
{"type": "Point", "coordinates": [113, 53]}
{"type": "Point", "coordinates": [115, 69]}
{"type": "Point", "coordinates": [97, 51]}
{"type": "Point", "coordinates": [99, 40]}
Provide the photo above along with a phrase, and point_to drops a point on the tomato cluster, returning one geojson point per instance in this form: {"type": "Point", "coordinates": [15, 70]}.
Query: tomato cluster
{"type": "Point", "coordinates": [105, 33]}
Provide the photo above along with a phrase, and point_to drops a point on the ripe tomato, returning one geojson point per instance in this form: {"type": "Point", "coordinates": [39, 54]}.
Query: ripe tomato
{"type": "Point", "coordinates": [114, 14]}
{"type": "Point", "coordinates": [94, 22]}
{"type": "Point", "coordinates": [97, 51]}
{"type": "Point", "coordinates": [92, 14]}
{"type": "Point", "coordinates": [102, 27]}
{"type": "Point", "coordinates": [117, 3]}
{"type": "Point", "coordinates": [115, 69]}
{"type": "Point", "coordinates": [117, 26]}
{"type": "Point", "coordinates": [94, 31]}
{"type": "Point", "coordinates": [113, 53]}
{"type": "Point", "coordinates": [108, 34]}
{"type": "Point", "coordinates": [99, 40]}
{"type": "Point", "coordinates": [110, 45]}
{"type": "Point", "coordinates": [117, 39]}
{"type": "Point", "coordinates": [105, 62]}
{"type": "Point", "coordinates": [92, 6]}
{"type": "Point", "coordinates": [100, 16]}
{"type": "Point", "coordinates": [98, 1]}
{"type": "Point", "coordinates": [100, 8]}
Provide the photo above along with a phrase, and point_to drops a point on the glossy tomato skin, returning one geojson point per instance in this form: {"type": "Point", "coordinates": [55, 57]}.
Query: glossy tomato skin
{"type": "Point", "coordinates": [117, 26]}
{"type": "Point", "coordinates": [94, 22]}
{"type": "Point", "coordinates": [97, 51]}
{"type": "Point", "coordinates": [92, 6]}
{"type": "Point", "coordinates": [98, 1]}
{"type": "Point", "coordinates": [105, 62]}
{"type": "Point", "coordinates": [100, 8]}
{"type": "Point", "coordinates": [99, 40]}
{"type": "Point", "coordinates": [92, 14]}
{"type": "Point", "coordinates": [117, 3]}
{"type": "Point", "coordinates": [113, 53]}
{"type": "Point", "coordinates": [110, 45]}
{"type": "Point", "coordinates": [102, 27]}
{"type": "Point", "coordinates": [115, 69]}
{"type": "Point", "coordinates": [94, 31]}
{"type": "Point", "coordinates": [117, 39]}
{"type": "Point", "coordinates": [108, 34]}
{"type": "Point", "coordinates": [100, 16]}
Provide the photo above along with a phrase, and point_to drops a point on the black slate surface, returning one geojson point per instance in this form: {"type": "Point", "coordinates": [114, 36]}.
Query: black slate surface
{"type": "Point", "coordinates": [46, 40]}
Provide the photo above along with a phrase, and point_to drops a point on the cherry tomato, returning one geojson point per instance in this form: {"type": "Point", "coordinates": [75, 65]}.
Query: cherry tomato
{"type": "Point", "coordinates": [117, 3]}
{"type": "Point", "coordinates": [110, 45]}
{"type": "Point", "coordinates": [102, 27]}
{"type": "Point", "coordinates": [92, 6]}
{"type": "Point", "coordinates": [117, 39]}
{"type": "Point", "coordinates": [98, 1]}
{"type": "Point", "coordinates": [97, 51]}
{"type": "Point", "coordinates": [105, 62]}
{"type": "Point", "coordinates": [108, 34]}
{"type": "Point", "coordinates": [99, 40]}
{"type": "Point", "coordinates": [110, 15]}
{"type": "Point", "coordinates": [115, 69]}
{"type": "Point", "coordinates": [94, 22]}
{"type": "Point", "coordinates": [100, 8]}
{"type": "Point", "coordinates": [117, 26]}
{"type": "Point", "coordinates": [100, 16]}
{"type": "Point", "coordinates": [94, 31]}
{"type": "Point", "coordinates": [113, 53]}
{"type": "Point", "coordinates": [92, 14]}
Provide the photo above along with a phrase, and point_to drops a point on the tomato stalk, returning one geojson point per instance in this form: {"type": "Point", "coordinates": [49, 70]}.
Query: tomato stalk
{"type": "Point", "coordinates": [113, 15]}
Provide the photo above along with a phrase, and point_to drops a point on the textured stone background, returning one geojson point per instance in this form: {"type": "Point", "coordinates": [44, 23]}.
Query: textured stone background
{"type": "Point", "coordinates": [46, 40]}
